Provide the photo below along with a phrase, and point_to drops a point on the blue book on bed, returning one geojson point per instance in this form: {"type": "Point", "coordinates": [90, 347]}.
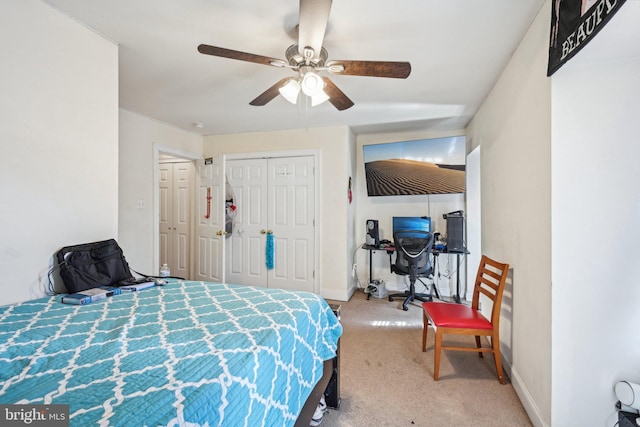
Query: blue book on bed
{"type": "Point", "coordinates": [91, 295]}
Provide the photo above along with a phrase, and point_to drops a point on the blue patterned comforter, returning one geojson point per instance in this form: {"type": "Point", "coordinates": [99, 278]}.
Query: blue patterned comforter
{"type": "Point", "coordinates": [189, 353]}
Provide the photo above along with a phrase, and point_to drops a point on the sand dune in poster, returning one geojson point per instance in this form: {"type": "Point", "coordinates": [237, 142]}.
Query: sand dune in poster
{"type": "Point", "coordinates": [396, 177]}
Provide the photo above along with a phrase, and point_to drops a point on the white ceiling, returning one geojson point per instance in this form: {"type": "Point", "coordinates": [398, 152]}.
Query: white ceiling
{"type": "Point", "coordinates": [457, 50]}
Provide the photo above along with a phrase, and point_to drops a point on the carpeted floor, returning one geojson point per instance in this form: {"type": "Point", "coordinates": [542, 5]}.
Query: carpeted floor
{"type": "Point", "coordinates": [386, 379]}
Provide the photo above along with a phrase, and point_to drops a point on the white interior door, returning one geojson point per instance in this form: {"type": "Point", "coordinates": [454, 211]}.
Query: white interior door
{"type": "Point", "coordinates": [274, 195]}
{"type": "Point", "coordinates": [291, 218]}
{"type": "Point", "coordinates": [209, 247]}
{"type": "Point", "coordinates": [182, 184]}
{"type": "Point", "coordinates": [175, 182]}
{"type": "Point", "coordinates": [165, 179]}
{"type": "Point", "coordinates": [246, 245]}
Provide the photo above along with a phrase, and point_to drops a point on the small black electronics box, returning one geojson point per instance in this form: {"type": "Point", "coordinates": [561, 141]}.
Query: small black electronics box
{"type": "Point", "coordinates": [627, 419]}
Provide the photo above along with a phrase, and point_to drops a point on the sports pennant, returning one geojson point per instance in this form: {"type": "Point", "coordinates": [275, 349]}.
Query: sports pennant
{"type": "Point", "coordinates": [573, 24]}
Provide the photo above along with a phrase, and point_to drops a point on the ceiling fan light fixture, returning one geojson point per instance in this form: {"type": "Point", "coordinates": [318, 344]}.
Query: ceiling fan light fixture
{"type": "Point", "coordinates": [306, 57]}
{"type": "Point", "coordinates": [319, 98]}
{"type": "Point", "coordinates": [312, 84]}
{"type": "Point", "coordinates": [290, 91]}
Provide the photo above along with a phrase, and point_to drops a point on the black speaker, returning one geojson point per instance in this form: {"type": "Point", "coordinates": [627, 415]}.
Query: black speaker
{"type": "Point", "coordinates": [455, 231]}
{"type": "Point", "coordinates": [373, 236]}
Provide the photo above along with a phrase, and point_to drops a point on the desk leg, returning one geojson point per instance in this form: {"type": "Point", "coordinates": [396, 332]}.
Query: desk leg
{"type": "Point", "coordinates": [370, 273]}
{"type": "Point", "coordinates": [458, 279]}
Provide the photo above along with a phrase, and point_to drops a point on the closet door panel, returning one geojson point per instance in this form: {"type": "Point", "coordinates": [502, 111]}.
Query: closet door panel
{"type": "Point", "coordinates": [291, 216]}
{"type": "Point", "coordinates": [274, 195]}
{"type": "Point", "coordinates": [180, 243]}
{"type": "Point", "coordinates": [210, 222]}
{"type": "Point", "coordinates": [248, 181]}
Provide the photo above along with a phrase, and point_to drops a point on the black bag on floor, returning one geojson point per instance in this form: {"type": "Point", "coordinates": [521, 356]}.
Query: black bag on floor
{"type": "Point", "coordinates": [92, 265]}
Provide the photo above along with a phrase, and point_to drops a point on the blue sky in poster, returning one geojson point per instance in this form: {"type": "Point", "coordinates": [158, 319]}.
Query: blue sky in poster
{"type": "Point", "coordinates": [449, 150]}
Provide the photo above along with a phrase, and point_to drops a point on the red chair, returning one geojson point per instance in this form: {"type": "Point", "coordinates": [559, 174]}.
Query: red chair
{"type": "Point", "coordinates": [458, 319]}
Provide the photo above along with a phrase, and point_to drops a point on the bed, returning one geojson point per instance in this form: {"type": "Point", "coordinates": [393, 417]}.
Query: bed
{"type": "Point", "coordinates": [187, 353]}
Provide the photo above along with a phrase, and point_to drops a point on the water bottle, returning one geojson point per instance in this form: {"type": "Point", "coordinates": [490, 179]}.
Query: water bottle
{"type": "Point", "coordinates": [164, 270]}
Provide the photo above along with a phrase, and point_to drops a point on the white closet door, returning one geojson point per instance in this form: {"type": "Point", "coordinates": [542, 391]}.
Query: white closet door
{"type": "Point", "coordinates": [275, 196]}
{"type": "Point", "coordinates": [166, 213]}
{"type": "Point", "coordinates": [175, 214]}
{"type": "Point", "coordinates": [246, 245]}
{"type": "Point", "coordinates": [182, 178]}
{"type": "Point", "coordinates": [209, 263]}
{"type": "Point", "coordinates": [291, 217]}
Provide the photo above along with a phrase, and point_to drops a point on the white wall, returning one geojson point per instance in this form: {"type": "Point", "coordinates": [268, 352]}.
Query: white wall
{"type": "Point", "coordinates": [139, 137]}
{"type": "Point", "coordinates": [473, 218]}
{"type": "Point", "coordinates": [384, 208]}
{"type": "Point", "coordinates": [513, 127]}
{"type": "Point", "coordinates": [59, 133]}
{"type": "Point", "coordinates": [596, 210]}
{"type": "Point", "coordinates": [353, 230]}
{"type": "Point", "coordinates": [335, 146]}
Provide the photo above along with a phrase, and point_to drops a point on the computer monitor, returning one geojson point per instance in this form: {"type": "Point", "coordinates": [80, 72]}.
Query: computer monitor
{"type": "Point", "coordinates": [422, 223]}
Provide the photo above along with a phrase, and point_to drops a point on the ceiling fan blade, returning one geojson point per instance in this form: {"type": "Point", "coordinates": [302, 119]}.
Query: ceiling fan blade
{"type": "Point", "coordinates": [240, 56]}
{"type": "Point", "coordinates": [313, 19]}
{"type": "Point", "coordinates": [336, 97]}
{"type": "Point", "coordinates": [396, 70]}
{"type": "Point", "coordinates": [269, 94]}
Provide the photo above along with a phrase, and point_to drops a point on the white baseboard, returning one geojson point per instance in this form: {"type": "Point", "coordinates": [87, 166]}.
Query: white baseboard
{"type": "Point", "coordinates": [527, 401]}
{"type": "Point", "coordinates": [343, 295]}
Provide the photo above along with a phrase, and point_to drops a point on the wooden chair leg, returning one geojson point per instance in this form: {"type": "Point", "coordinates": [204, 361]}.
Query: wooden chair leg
{"type": "Point", "coordinates": [436, 355]}
{"type": "Point", "coordinates": [425, 327]}
{"type": "Point", "coordinates": [495, 344]}
{"type": "Point", "coordinates": [479, 345]}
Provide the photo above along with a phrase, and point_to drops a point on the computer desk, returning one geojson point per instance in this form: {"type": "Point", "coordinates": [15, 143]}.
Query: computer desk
{"type": "Point", "coordinates": [458, 254]}
{"type": "Point", "coordinates": [372, 248]}
{"type": "Point", "coordinates": [390, 249]}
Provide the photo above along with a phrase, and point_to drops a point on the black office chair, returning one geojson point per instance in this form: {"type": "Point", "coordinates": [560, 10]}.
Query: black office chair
{"type": "Point", "coordinates": [413, 250]}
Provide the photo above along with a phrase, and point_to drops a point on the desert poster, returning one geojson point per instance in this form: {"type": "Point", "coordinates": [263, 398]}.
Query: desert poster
{"type": "Point", "coordinates": [428, 166]}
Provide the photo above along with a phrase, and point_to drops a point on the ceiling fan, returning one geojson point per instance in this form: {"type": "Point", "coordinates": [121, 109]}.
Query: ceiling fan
{"type": "Point", "coordinates": [307, 58]}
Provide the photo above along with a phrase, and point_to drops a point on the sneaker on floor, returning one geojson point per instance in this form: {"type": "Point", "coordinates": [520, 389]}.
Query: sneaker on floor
{"type": "Point", "coordinates": [316, 420]}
